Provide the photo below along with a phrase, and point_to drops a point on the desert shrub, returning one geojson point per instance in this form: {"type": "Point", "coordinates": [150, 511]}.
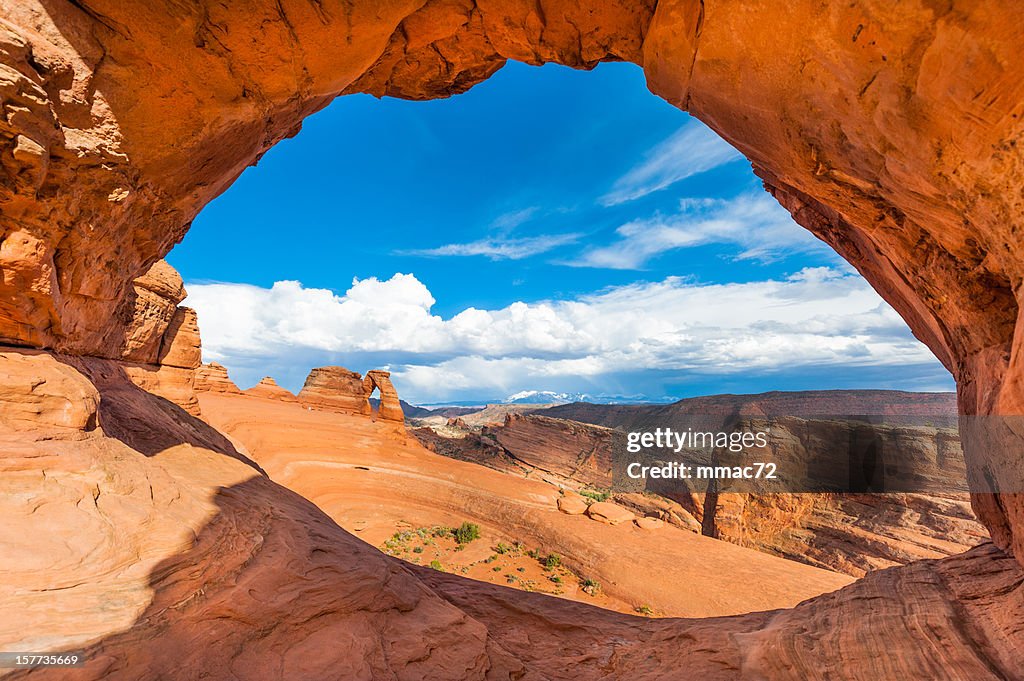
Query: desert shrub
{"type": "Point", "coordinates": [466, 532]}
{"type": "Point", "coordinates": [556, 579]}
{"type": "Point", "coordinates": [552, 561]}
{"type": "Point", "coordinates": [645, 610]}
{"type": "Point", "coordinates": [502, 548]}
{"type": "Point", "coordinates": [590, 586]}
{"type": "Point", "coordinates": [436, 564]}
{"type": "Point", "coordinates": [417, 549]}
{"type": "Point", "coordinates": [596, 494]}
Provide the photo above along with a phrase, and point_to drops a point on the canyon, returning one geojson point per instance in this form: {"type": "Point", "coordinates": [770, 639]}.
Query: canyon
{"type": "Point", "coordinates": [167, 547]}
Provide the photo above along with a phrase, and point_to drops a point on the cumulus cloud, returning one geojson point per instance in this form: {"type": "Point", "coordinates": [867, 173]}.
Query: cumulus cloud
{"type": "Point", "coordinates": [503, 248]}
{"type": "Point", "coordinates": [817, 317]}
{"type": "Point", "coordinates": [691, 150]}
{"type": "Point", "coordinates": [761, 228]}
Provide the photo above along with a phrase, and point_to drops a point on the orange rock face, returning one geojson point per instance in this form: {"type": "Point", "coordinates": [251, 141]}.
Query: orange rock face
{"type": "Point", "coordinates": [269, 389]}
{"type": "Point", "coordinates": [213, 378]}
{"type": "Point", "coordinates": [347, 392]}
{"type": "Point", "coordinates": [337, 389]}
{"type": "Point", "coordinates": [390, 409]}
{"type": "Point", "coordinates": [889, 130]}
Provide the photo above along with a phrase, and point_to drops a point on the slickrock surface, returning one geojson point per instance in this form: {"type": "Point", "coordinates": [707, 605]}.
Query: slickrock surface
{"type": "Point", "coordinates": [138, 534]}
{"type": "Point", "coordinates": [369, 476]}
{"type": "Point", "coordinates": [214, 378]}
{"type": "Point", "coordinates": [185, 558]}
{"type": "Point", "coordinates": [269, 389]}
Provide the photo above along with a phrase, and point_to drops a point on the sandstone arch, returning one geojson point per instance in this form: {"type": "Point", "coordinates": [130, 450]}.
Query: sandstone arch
{"type": "Point", "coordinates": [889, 130]}
{"type": "Point", "coordinates": [390, 408]}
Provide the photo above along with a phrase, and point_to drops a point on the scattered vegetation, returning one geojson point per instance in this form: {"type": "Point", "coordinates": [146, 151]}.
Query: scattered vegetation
{"type": "Point", "coordinates": [466, 532]}
{"type": "Point", "coordinates": [596, 494]}
{"type": "Point", "coordinates": [645, 610]}
{"type": "Point", "coordinates": [437, 543]}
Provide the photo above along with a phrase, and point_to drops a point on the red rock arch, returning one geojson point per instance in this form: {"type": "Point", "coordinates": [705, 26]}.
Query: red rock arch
{"type": "Point", "coordinates": [890, 130]}
{"type": "Point", "coordinates": [390, 408]}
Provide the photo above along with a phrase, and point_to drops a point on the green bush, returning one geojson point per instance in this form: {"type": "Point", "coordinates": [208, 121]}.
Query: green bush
{"type": "Point", "coordinates": [645, 610]}
{"type": "Point", "coordinates": [590, 586]}
{"type": "Point", "coordinates": [466, 532]}
{"type": "Point", "coordinates": [596, 495]}
{"type": "Point", "coordinates": [417, 549]}
{"type": "Point", "coordinates": [552, 561]}
{"type": "Point", "coordinates": [502, 548]}
{"type": "Point", "coordinates": [436, 564]}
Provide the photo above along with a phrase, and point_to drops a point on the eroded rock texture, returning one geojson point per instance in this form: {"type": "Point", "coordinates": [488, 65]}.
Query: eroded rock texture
{"type": "Point", "coordinates": [269, 389]}
{"type": "Point", "coordinates": [890, 131]}
{"type": "Point", "coordinates": [341, 390]}
{"type": "Point", "coordinates": [213, 378]}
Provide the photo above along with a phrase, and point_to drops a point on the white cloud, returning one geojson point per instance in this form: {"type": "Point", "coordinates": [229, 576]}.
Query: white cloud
{"type": "Point", "coordinates": [501, 248]}
{"type": "Point", "coordinates": [818, 318]}
{"type": "Point", "coordinates": [753, 221]}
{"type": "Point", "coordinates": [692, 150]}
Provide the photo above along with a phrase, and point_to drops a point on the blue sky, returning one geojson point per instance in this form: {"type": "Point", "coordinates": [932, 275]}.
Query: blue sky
{"type": "Point", "coordinates": [548, 230]}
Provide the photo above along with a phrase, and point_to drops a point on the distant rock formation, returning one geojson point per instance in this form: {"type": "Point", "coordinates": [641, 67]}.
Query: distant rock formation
{"type": "Point", "coordinates": [390, 407]}
{"type": "Point", "coordinates": [213, 378]}
{"type": "Point", "coordinates": [161, 348]}
{"type": "Point", "coordinates": [338, 389]}
{"type": "Point", "coordinates": [849, 533]}
{"type": "Point", "coordinates": [269, 389]}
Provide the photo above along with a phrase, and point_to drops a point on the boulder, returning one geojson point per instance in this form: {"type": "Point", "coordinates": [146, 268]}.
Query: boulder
{"type": "Point", "coordinates": [573, 505]}
{"type": "Point", "coordinates": [607, 512]}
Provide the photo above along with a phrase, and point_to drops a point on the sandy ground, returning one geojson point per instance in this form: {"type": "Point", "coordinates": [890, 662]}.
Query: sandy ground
{"type": "Point", "coordinates": [376, 481]}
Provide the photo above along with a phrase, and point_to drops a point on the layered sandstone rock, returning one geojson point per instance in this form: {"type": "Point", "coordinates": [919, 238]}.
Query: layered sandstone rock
{"type": "Point", "coordinates": [213, 378]}
{"type": "Point", "coordinates": [341, 390]}
{"type": "Point", "coordinates": [337, 389]}
{"type": "Point", "coordinates": [269, 389]}
{"type": "Point", "coordinates": [162, 348]}
{"type": "Point", "coordinates": [567, 449]}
